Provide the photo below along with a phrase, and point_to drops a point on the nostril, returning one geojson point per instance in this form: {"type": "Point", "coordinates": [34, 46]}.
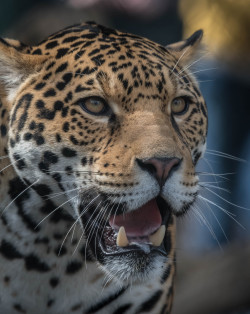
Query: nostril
{"type": "Point", "coordinates": [175, 165]}
{"type": "Point", "coordinates": [160, 168]}
{"type": "Point", "coordinates": [147, 166]}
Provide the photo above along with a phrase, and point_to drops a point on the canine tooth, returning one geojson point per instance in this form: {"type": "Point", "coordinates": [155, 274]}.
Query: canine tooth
{"type": "Point", "coordinates": [122, 239]}
{"type": "Point", "coordinates": [157, 238]}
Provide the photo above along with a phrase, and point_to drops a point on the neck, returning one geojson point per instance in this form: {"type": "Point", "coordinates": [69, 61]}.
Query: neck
{"type": "Point", "coordinates": [25, 206]}
{"type": "Point", "coordinates": [6, 170]}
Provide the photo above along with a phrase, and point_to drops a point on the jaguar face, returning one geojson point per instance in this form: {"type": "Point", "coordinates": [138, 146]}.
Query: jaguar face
{"type": "Point", "coordinates": [115, 124]}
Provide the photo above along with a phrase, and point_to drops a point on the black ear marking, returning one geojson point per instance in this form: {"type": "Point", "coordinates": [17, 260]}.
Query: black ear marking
{"type": "Point", "coordinates": [185, 50]}
{"type": "Point", "coordinates": [190, 41]}
{"type": "Point", "coordinates": [4, 42]}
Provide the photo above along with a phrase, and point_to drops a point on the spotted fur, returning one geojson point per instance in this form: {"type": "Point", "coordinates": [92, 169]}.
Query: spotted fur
{"type": "Point", "coordinates": [60, 162]}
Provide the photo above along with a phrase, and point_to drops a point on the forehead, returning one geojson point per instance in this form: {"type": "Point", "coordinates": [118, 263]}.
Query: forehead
{"type": "Point", "coordinates": [111, 57]}
{"type": "Point", "coordinates": [99, 45]}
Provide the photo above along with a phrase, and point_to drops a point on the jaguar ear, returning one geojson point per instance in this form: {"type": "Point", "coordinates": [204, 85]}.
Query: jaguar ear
{"type": "Point", "coordinates": [184, 50]}
{"type": "Point", "coordinates": [15, 66]}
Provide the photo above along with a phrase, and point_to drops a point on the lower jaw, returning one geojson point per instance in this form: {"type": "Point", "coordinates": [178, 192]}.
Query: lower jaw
{"type": "Point", "coordinates": [108, 247]}
{"type": "Point", "coordinates": [105, 248]}
{"type": "Point", "coordinates": [103, 243]}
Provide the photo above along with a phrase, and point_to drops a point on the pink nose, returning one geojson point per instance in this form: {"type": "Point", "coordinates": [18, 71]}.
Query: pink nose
{"type": "Point", "coordinates": [160, 168]}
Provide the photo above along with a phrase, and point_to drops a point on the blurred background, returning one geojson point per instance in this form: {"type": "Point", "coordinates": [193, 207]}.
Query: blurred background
{"type": "Point", "coordinates": [213, 247]}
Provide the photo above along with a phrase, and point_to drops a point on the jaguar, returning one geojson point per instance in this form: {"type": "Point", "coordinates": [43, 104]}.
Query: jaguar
{"type": "Point", "coordinates": [100, 133]}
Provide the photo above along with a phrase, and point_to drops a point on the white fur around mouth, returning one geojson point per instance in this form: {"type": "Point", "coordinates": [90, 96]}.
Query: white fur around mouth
{"type": "Point", "coordinates": [155, 239]}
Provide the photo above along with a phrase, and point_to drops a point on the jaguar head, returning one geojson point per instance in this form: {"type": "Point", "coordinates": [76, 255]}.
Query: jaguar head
{"type": "Point", "coordinates": [116, 124]}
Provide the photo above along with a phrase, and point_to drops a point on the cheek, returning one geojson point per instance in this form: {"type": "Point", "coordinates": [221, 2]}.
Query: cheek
{"type": "Point", "coordinates": [198, 153]}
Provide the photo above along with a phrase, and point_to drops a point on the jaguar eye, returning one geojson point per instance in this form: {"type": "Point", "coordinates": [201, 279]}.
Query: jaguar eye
{"type": "Point", "coordinates": [179, 105]}
{"type": "Point", "coordinates": [95, 105]}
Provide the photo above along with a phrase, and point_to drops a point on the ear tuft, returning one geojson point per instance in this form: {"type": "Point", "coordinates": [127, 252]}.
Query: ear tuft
{"type": "Point", "coordinates": [184, 50]}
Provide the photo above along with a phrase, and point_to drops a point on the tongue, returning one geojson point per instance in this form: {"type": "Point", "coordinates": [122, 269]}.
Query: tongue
{"type": "Point", "coordinates": [140, 222]}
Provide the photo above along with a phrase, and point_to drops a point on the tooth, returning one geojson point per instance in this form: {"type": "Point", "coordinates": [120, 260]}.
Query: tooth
{"type": "Point", "coordinates": [122, 239]}
{"type": "Point", "coordinates": [157, 238]}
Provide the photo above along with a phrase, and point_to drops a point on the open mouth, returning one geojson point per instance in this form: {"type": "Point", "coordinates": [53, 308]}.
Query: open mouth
{"type": "Point", "coordinates": [142, 231]}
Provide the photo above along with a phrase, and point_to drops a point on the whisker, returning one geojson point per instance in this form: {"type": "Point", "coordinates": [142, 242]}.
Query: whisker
{"type": "Point", "coordinates": [224, 155]}
{"type": "Point", "coordinates": [206, 186]}
{"type": "Point", "coordinates": [79, 241]}
{"type": "Point", "coordinates": [204, 81]}
{"type": "Point", "coordinates": [179, 60]}
{"type": "Point", "coordinates": [225, 200]}
{"type": "Point", "coordinates": [202, 70]}
{"type": "Point", "coordinates": [19, 195]}
{"type": "Point", "coordinates": [211, 168]}
{"type": "Point", "coordinates": [217, 220]}
{"type": "Point", "coordinates": [59, 194]}
{"type": "Point", "coordinates": [82, 213]}
{"type": "Point", "coordinates": [220, 175]}
{"type": "Point", "coordinates": [55, 210]}
{"type": "Point", "coordinates": [74, 170]}
{"type": "Point", "coordinates": [211, 182]}
{"type": "Point", "coordinates": [229, 214]}
{"type": "Point", "coordinates": [78, 219]}
{"type": "Point", "coordinates": [11, 164]}
{"type": "Point", "coordinates": [101, 223]}
{"type": "Point", "coordinates": [73, 232]}
{"type": "Point", "coordinates": [191, 64]}
{"type": "Point", "coordinates": [202, 219]}
{"type": "Point", "coordinates": [92, 227]}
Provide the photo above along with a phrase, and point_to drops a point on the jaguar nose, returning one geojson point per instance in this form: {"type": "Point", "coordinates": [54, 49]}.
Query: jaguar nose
{"type": "Point", "coordinates": [160, 168]}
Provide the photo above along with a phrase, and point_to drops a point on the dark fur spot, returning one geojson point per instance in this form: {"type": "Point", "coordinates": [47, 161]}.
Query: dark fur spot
{"type": "Point", "coordinates": [3, 130]}
{"type": "Point", "coordinates": [73, 267]}
{"type": "Point", "coordinates": [79, 54]}
{"type": "Point", "coordinates": [67, 152]}
{"type": "Point", "coordinates": [6, 279]}
{"type": "Point", "coordinates": [76, 307]}
{"type": "Point", "coordinates": [42, 189]}
{"type": "Point", "coordinates": [32, 262]}
{"type": "Point", "coordinates": [123, 309]}
{"type": "Point", "coordinates": [17, 187]}
{"type": "Point", "coordinates": [39, 139]}
{"type": "Point", "coordinates": [39, 86]}
{"type": "Point", "coordinates": [37, 52]}
{"type": "Point", "coordinates": [80, 88]}
{"type": "Point", "coordinates": [50, 65]}
{"type": "Point", "coordinates": [9, 251]}
{"type": "Point", "coordinates": [84, 161]}
{"type": "Point", "coordinates": [50, 93]}
{"type": "Point", "coordinates": [148, 305]}
{"type": "Point", "coordinates": [100, 305]}
{"type": "Point", "coordinates": [54, 281]}
{"type": "Point", "coordinates": [60, 250]}
{"type": "Point", "coordinates": [62, 67]}
{"type": "Point", "coordinates": [50, 157]}
{"type": "Point", "coordinates": [165, 274]}
{"type": "Point", "coordinates": [70, 39]}
{"type": "Point", "coordinates": [19, 308]}
{"type": "Point", "coordinates": [58, 138]}
{"type": "Point", "coordinates": [65, 127]}
{"type": "Point", "coordinates": [51, 44]}
{"type": "Point", "coordinates": [50, 302]}
{"type": "Point", "coordinates": [61, 52]}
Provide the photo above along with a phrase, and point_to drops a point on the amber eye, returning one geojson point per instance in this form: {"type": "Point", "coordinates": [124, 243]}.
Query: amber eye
{"type": "Point", "coordinates": [179, 105]}
{"type": "Point", "coordinates": [95, 105]}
